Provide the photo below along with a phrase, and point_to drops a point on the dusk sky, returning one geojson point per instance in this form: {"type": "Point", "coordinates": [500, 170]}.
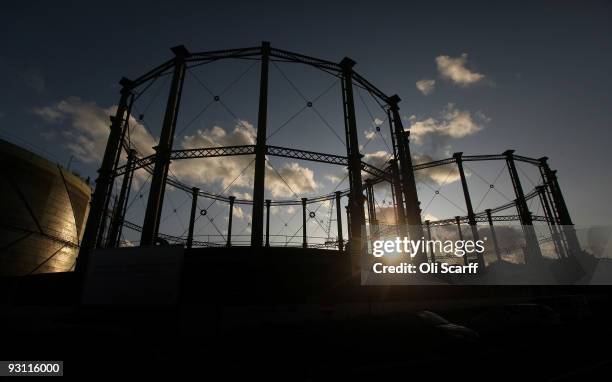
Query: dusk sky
{"type": "Point", "coordinates": [475, 77]}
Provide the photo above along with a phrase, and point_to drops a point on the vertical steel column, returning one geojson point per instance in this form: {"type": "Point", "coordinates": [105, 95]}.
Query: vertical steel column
{"type": "Point", "coordinates": [348, 224]}
{"type": "Point", "coordinates": [155, 203]}
{"type": "Point", "coordinates": [458, 221]}
{"type": "Point", "coordinates": [395, 212]}
{"type": "Point", "coordinates": [356, 212]}
{"type": "Point", "coordinates": [551, 220]}
{"type": "Point", "coordinates": [417, 227]}
{"type": "Point", "coordinates": [126, 183]}
{"type": "Point", "coordinates": [397, 193]}
{"type": "Point", "coordinates": [232, 199]}
{"type": "Point", "coordinates": [493, 235]}
{"type": "Point", "coordinates": [368, 190]}
{"type": "Point", "coordinates": [113, 217]}
{"type": "Point", "coordinates": [104, 180]}
{"type": "Point", "coordinates": [468, 206]}
{"type": "Point", "coordinates": [257, 219]}
{"type": "Point", "coordinates": [412, 211]}
{"type": "Point", "coordinates": [103, 225]}
{"type": "Point", "coordinates": [304, 242]}
{"type": "Point", "coordinates": [124, 129]}
{"type": "Point", "coordinates": [391, 131]}
{"type": "Point", "coordinates": [339, 220]}
{"type": "Point", "coordinates": [548, 188]}
{"type": "Point", "coordinates": [194, 205]}
{"type": "Point", "coordinates": [550, 180]}
{"type": "Point", "coordinates": [433, 252]}
{"type": "Point", "coordinates": [125, 206]}
{"type": "Point", "coordinates": [396, 185]}
{"type": "Point", "coordinates": [268, 201]}
{"type": "Point", "coordinates": [533, 253]}
{"type": "Point", "coordinates": [413, 205]}
{"type": "Point", "coordinates": [371, 203]}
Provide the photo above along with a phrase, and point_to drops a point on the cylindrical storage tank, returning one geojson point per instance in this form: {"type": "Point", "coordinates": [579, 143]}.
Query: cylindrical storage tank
{"type": "Point", "coordinates": [43, 210]}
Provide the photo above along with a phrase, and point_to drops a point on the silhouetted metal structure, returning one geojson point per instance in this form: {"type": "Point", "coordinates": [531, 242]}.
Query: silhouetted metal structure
{"type": "Point", "coordinates": [400, 172]}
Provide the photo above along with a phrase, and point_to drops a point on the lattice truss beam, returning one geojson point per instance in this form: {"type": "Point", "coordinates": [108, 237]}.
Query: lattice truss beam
{"type": "Point", "coordinates": [278, 151]}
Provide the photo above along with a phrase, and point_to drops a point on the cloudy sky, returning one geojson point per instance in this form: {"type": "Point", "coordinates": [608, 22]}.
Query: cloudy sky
{"type": "Point", "coordinates": [473, 77]}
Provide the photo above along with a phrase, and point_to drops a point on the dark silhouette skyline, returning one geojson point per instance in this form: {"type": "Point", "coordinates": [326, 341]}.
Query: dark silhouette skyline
{"type": "Point", "coordinates": [536, 82]}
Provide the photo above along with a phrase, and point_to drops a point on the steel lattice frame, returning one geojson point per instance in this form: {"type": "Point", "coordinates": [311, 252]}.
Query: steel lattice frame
{"type": "Point", "coordinates": [403, 181]}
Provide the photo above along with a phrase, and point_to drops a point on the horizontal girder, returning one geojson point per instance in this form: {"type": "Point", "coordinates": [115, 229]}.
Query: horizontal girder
{"type": "Point", "coordinates": [211, 152]}
{"type": "Point", "coordinates": [379, 174]}
{"type": "Point", "coordinates": [484, 219]}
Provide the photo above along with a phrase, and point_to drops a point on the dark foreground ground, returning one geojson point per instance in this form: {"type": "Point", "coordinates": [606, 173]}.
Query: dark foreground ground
{"type": "Point", "coordinates": [219, 331]}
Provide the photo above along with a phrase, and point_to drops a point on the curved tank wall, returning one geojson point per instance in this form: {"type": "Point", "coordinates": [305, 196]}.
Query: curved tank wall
{"type": "Point", "coordinates": [43, 209]}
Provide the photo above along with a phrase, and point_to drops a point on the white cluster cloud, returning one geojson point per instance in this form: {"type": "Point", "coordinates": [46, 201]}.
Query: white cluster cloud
{"type": "Point", "coordinates": [239, 213]}
{"type": "Point", "coordinates": [432, 136]}
{"type": "Point", "coordinates": [453, 123]}
{"type": "Point", "coordinates": [369, 134]}
{"type": "Point", "coordinates": [301, 179]}
{"type": "Point", "coordinates": [453, 68]}
{"type": "Point", "coordinates": [426, 86]}
{"type": "Point", "coordinates": [377, 159]}
{"type": "Point", "coordinates": [222, 170]}
{"type": "Point", "coordinates": [242, 195]}
{"type": "Point", "coordinates": [334, 178]}
{"type": "Point", "coordinates": [227, 170]}
{"type": "Point", "coordinates": [86, 128]}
